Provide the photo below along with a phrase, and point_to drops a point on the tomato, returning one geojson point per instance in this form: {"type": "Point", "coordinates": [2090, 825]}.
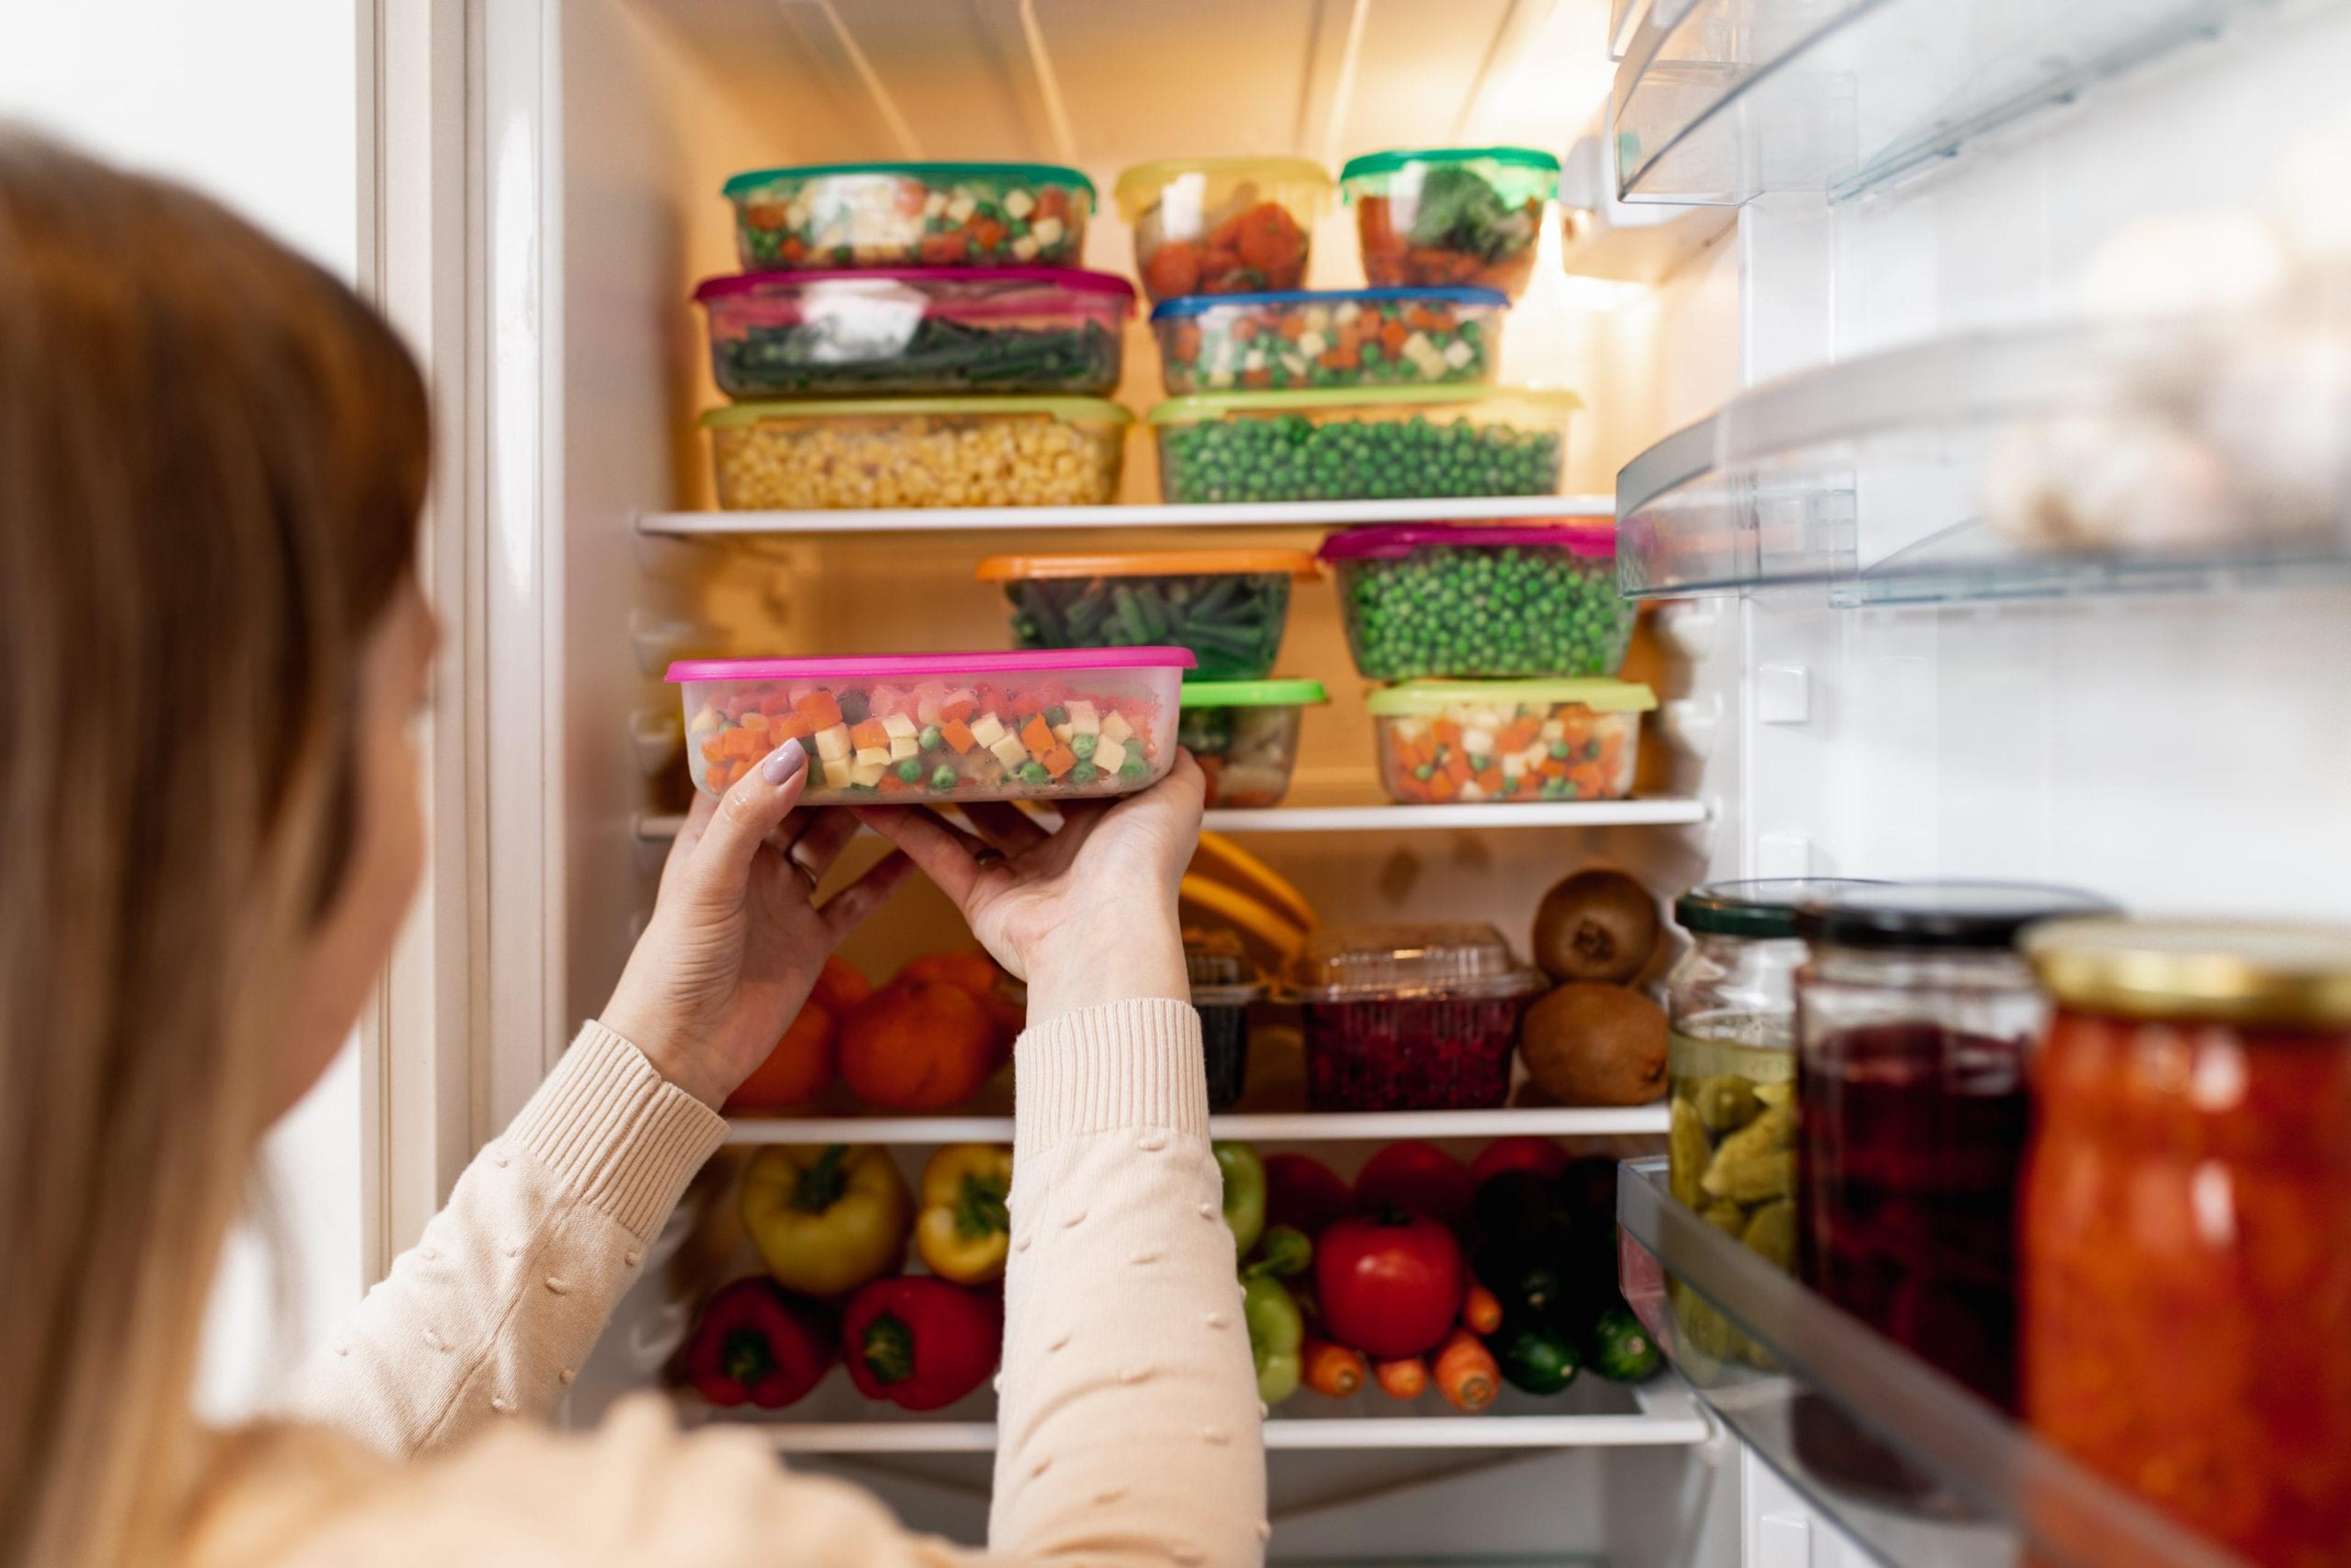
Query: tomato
{"type": "Point", "coordinates": [1389, 1286]}
{"type": "Point", "coordinates": [1538, 1155]}
{"type": "Point", "coordinates": [1417, 1177]}
{"type": "Point", "coordinates": [1304, 1192]}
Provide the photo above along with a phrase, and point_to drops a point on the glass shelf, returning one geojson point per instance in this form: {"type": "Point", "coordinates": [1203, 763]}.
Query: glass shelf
{"type": "Point", "coordinates": [1720, 101]}
{"type": "Point", "coordinates": [1945, 472]}
{"type": "Point", "coordinates": [1944, 1477]}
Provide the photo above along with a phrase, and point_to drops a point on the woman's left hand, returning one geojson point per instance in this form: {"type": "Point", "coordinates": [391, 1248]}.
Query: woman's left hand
{"type": "Point", "coordinates": [736, 939]}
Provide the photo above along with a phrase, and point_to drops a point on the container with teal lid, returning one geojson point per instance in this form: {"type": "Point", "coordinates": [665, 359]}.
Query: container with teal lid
{"type": "Point", "coordinates": [916, 452]}
{"type": "Point", "coordinates": [1450, 214]}
{"type": "Point", "coordinates": [910, 214]}
{"type": "Point", "coordinates": [1244, 735]}
{"type": "Point", "coordinates": [1471, 742]}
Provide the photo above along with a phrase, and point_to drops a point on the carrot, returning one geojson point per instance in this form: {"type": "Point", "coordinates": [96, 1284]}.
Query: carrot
{"type": "Point", "coordinates": [818, 709]}
{"type": "Point", "coordinates": [1482, 1309]}
{"type": "Point", "coordinates": [1037, 736]}
{"type": "Point", "coordinates": [868, 733]}
{"type": "Point", "coordinates": [1447, 732]}
{"type": "Point", "coordinates": [1491, 780]}
{"type": "Point", "coordinates": [1058, 760]}
{"type": "Point", "coordinates": [1391, 337]}
{"type": "Point", "coordinates": [1405, 1379]}
{"type": "Point", "coordinates": [1331, 1369]}
{"type": "Point", "coordinates": [958, 735]}
{"type": "Point", "coordinates": [959, 707]}
{"type": "Point", "coordinates": [1465, 1372]}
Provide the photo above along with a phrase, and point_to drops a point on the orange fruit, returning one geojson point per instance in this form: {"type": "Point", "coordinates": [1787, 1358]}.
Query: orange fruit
{"type": "Point", "coordinates": [917, 1045]}
{"type": "Point", "coordinates": [796, 1070]}
{"type": "Point", "coordinates": [840, 986]}
{"type": "Point", "coordinates": [975, 973]}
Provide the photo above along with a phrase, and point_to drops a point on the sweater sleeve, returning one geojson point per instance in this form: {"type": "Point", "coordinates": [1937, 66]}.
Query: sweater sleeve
{"type": "Point", "coordinates": [493, 1311]}
{"type": "Point", "coordinates": [1128, 1426]}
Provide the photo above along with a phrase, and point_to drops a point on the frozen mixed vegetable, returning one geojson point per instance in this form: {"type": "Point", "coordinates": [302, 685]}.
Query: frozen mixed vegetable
{"type": "Point", "coordinates": [1362, 443]}
{"type": "Point", "coordinates": [1222, 225]}
{"type": "Point", "coordinates": [1535, 598]}
{"type": "Point", "coordinates": [1508, 740]}
{"type": "Point", "coordinates": [1244, 736]}
{"type": "Point", "coordinates": [910, 214]}
{"type": "Point", "coordinates": [1340, 338]}
{"type": "Point", "coordinates": [1461, 214]}
{"type": "Point", "coordinates": [917, 452]}
{"type": "Point", "coordinates": [1228, 606]}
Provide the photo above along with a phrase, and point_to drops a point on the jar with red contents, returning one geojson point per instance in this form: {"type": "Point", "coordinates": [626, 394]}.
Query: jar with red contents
{"type": "Point", "coordinates": [1913, 1015]}
{"type": "Point", "coordinates": [2186, 1225]}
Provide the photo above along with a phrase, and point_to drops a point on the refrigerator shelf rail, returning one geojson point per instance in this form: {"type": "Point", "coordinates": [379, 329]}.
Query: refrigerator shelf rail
{"type": "Point", "coordinates": [1299, 1127]}
{"type": "Point", "coordinates": [1647, 810]}
{"type": "Point", "coordinates": [1999, 1497]}
{"type": "Point", "coordinates": [1156, 515]}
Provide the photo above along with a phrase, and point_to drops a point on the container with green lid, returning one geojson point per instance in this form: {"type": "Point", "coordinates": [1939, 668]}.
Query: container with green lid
{"type": "Point", "coordinates": [916, 452]}
{"type": "Point", "coordinates": [910, 214]}
{"type": "Point", "coordinates": [1468, 742]}
{"type": "Point", "coordinates": [1450, 214]}
{"type": "Point", "coordinates": [1368, 442]}
{"type": "Point", "coordinates": [1244, 735]}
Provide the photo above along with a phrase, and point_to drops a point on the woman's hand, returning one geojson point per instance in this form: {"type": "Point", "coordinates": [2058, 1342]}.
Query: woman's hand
{"type": "Point", "coordinates": [1086, 915]}
{"type": "Point", "coordinates": [735, 943]}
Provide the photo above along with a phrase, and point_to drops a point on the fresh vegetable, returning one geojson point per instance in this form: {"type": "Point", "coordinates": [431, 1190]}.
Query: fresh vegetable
{"type": "Point", "coordinates": [964, 1230]}
{"type": "Point", "coordinates": [921, 1342]}
{"type": "Point", "coordinates": [909, 215]}
{"type": "Point", "coordinates": [917, 1045]}
{"type": "Point", "coordinates": [1417, 337]}
{"type": "Point", "coordinates": [1534, 1279]}
{"type": "Point", "coordinates": [1620, 1349]}
{"type": "Point", "coordinates": [826, 1217]}
{"type": "Point", "coordinates": [753, 1342]}
{"type": "Point", "coordinates": [1303, 1191]}
{"type": "Point", "coordinates": [1317, 454]}
{"type": "Point", "coordinates": [1403, 1378]}
{"type": "Point", "coordinates": [1244, 1181]}
{"type": "Point", "coordinates": [1334, 1370]}
{"type": "Point", "coordinates": [1277, 1331]}
{"type": "Point", "coordinates": [796, 1070]}
{"type": "Point", "coordinates": [1231, 619]}
{"type": "Point", "coordinates": [988, 449]}
{"type": "Point", "coordinates": [1389, 1285]}
{"type": "Point", "coordinates": [1597, 925]}
{"type": "Point", "coordinates": [1482, 1309]}
{"type": "Point", "coordinates": [1591, 1044]}
{"type": "Point", "coordinates": [1453, 224]}
{"type": "Point", "coordinates": [1537, 1156]}
{"type": "Point", "coordinates": [1284, 1252]}
{"type": "Point", "coordinates": [1419, 1177]}
{"type": "Point", "coordinates": [1536, 740]}
{"type": "Point", "coordinates": [1534, 1355]}
{"type": "Point", "coordinates": [1522, 600]}
{"type": "Point", "coordinates": [1465, 1372]}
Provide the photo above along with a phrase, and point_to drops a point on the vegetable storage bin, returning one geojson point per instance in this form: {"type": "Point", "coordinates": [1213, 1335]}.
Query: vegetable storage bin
{"type": "Point", "coordinates": [910, 214]}
{"type": "Point", "coordinates": [1228, 606]}
{"type": "Point", "coordinates": [1244, 736]}
{"type": "Point", "coordinates": [1450, 214]}
{"type": "Point", "coordinates": [1224, 982]}
{"type": "Point", "coordinates": [1508, 740]}
{"type": "Point", "coordinates": [1334, 338]}
{"type": "Point", "coordinates": [940, 726]}
{"type": "Point", "coordinates": [1476, 599]}
{"type": "Point", "coordinates": [941, 331]}
{"type": "Point", "coordinates": [1362, 443]}
{"type": "Point", "coordinates": [917, 452]}
{"type": "Point", "coordinates": [1222, 225]}
{"type": "Point", "coordinates": [1409, 1018]}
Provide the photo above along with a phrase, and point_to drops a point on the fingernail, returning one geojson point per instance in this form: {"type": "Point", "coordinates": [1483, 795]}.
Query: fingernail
{"type": "Point", "coordinates": [783, 762]}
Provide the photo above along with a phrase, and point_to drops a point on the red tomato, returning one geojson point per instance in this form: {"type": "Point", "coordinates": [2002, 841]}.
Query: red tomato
{"type": "Point", "coordinates": [1304, 1192]}
{"type": "Point", "coordinates": [1388, 1286]}
{"type": "Point", "coordinates": [1419, 1177]}
{"type": "Point", "coordinates": [1540, 1156]}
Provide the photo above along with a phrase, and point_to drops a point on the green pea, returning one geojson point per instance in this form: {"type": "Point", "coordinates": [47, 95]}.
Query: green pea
{"type": "Point", "coordinates": [911, 770]}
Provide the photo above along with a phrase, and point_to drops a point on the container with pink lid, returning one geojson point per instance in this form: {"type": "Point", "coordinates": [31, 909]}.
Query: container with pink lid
{"type": "Point", "coordinates": [1029, 726]}
{"type": "Point", "coordinates": [1453, 600]}
{"type": "Point", "coordinates": [940, 331]}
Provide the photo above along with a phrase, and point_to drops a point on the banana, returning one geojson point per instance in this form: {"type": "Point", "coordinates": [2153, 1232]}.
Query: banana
{"type": "Point", "coordinates": [1229, 862]}
{"type": "Point", "coordinates": [1252, 918]}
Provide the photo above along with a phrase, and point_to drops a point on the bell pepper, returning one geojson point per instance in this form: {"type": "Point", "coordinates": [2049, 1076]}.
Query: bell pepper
{"type": "Point", "coordinates": [1244, 1175]}
{"type": "Point", "coordinates": [752, 1341]}
{"type": "Point", "coordinates": [921, 1342]}
{"type": "Point", "coordinates": [963, 1229]}
{"type": "Point", "coordinates": [826, 1218]}
{"type": "Point", "coordinates": [1277, 1327]}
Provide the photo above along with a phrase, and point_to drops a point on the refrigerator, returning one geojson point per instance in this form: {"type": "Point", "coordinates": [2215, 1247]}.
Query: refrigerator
{"type": "Point", "coordinates": [1874, 247]}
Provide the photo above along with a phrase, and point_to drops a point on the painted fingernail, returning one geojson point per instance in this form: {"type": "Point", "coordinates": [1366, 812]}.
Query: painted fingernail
{"type": "Point", "coordinates": [784, 761]}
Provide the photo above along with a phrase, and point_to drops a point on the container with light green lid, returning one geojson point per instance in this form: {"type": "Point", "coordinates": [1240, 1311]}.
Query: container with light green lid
{"type": "Point", "coordinates": [1244, 735]}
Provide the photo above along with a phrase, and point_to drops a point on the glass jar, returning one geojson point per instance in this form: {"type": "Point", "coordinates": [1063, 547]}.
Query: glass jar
{"type": "Point", "coordinates": [2186, 1239]}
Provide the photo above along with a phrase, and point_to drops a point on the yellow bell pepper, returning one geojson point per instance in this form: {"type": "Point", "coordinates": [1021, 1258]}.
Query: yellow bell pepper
{"type": "Point", "coordinates": [826, 1217]}
{"type": "Point", "coordinates": [965, 1229]}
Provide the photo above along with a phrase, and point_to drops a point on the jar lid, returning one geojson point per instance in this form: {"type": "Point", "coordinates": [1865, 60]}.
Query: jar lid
{"type": "Point", "coordinates": [2219, 971]}
{"type": "Point", "coordinates": [1959, 913]}
{"type": "Point", "coordinates": [1253, 693]}
{"type": "Point", "coordinates": [1294, 564]}
{"type": "Point", "coordinates": [1765, 907]}
{"type": "Point", "coordinates": [1378, 962]}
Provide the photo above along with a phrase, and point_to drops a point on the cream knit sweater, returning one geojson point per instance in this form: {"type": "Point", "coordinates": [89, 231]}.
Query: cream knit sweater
{"type": "Point", "coordinates": [1129, 1420]}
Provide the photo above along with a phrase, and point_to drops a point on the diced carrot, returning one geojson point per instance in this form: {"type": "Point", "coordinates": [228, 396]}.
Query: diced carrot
{"type": "Point", "coordinates": [1058, 760]}
{"type": "Point", "coordinates": [1345, 357]}
{"type": "Point", "coordinates": [958, 708]}
{"type": "Point", "coordinates": [1052, 202]}
{"type": "Point", "coordinates": [1243, 329]}
{"type": "Point", "coordinates": [892, 784]}
{"type": "Point", "coordinates": [747, 744]}
{"type": "Point", "coordinates": [1257, 378]}
{"type": "Point", "coordinates": [1517, 734]}
{"type": "Point", "coordinates": [1291, 327]}
{"type": "Point", "coordinates": [714, 747]}
{"type": "Point", "coordinates": [987, 234]}
{"type": "Point", "coordinates": [818, 709]}
{"type": "Point", "coordinates": [1491, 780]}
{"type": "Point", "coordinates": [1587, 779]}
{"type": "Point", "coordinates": [792, 726]}
{"type": "Point", "coordinates": [793, 249]}
{"type": "Point", "coordinates": [1447, 732]}
{"type": "Point", "coordinates": [1037, 736]}
{"type": "Point", "coordinates": [752, 718]}
{"type": "Point", "coordinates": [869, 733]}
{"type": "Point", "coordinates": [1455, 767]}
{"type": "Point", "coordinates": [957, 735]}
{"type": "Point", "coordinates": [1612, 746]}
{"type": "Point", "coordinates": [1391, 337]}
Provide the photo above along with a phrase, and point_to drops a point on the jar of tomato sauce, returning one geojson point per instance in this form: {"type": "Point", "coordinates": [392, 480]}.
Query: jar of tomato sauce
{"type": "Point", "coordinates": [2186, 1239]}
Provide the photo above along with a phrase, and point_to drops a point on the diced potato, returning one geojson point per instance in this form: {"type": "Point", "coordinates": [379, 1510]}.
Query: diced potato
{"type": "Point", "coordinates": [901, 747]}
{"type": "Point", "coordinates": [1046, 231]}
{"type": "Point", "coordinates": [1513, 765]}
{"type": "Point", "coordinates": [1477, 742]}
{"type": "Point", "coordinates": [1061, 732]}
{"type": "Point", "coordinates": [704, 721]}
{"type": "Point", "coordinates": [1009, 751]}
{"type": "Point", "coordinates": [1471, 793]}
{"type": "Point", "coordinates": [832, 744]}
{"type": "Point", "coordinates": [868, 774]}
{"type": "Point", "coordinates": [870, 756]}
{"type": "Point", "coordinates": [988, 730]}
{"type": "Point", "coordinates": [1311, 343]}
{"type": "Point", "coordinates": [1019, 204]}
{"type": "Point", "coordinates": [1109, 755]}
{"type": "Point", "coordinates": [900, 726]}
{"type": "Point", "coordinates": [1458, 354]}
{"type": "Point", "coordinates": [1083, 719]}
{"type": "Point", "coordinates": [1115, 725]}
{"type": "Point", "coordinates": [1345, 312]}
{"type": "Point", "coordinates": [1554, 730]}
{"type": "Point", "coordinates": [1025, 247]}
{"type": "Point", "coordinates": [960, 209]}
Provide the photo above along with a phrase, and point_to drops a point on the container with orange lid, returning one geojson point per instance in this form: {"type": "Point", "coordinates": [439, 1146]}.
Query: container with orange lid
{"type": "Point", "coordinates": [2186, 1223]}
{"type": "Point", "coordinates": [1229, 606]}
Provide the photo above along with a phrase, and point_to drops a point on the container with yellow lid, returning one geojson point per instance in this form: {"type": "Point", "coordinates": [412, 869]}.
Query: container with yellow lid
{"type": "Point", "coordinates": [1229, 606]}
{"type": "Point", "coordinates": [1223, 225]}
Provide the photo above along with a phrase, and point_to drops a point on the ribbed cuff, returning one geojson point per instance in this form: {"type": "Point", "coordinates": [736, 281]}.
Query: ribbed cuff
{"type": "Point", "coordinates": [1122, 1064]}
{"type": "Point", "coordinates": [614, 1128]}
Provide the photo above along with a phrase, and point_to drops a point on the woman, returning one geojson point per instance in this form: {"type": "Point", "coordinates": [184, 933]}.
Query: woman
{"type": "Point", "coordinates": [212, 458]}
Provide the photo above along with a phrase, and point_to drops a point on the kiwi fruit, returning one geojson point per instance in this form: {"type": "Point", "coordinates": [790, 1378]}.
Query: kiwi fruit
{"type": "Point", "coordinates": [1585, 1043]}
{"type": "Point", "coordinates": [1597, 926]}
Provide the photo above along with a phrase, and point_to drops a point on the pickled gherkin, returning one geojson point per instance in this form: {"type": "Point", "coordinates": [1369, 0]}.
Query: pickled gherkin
{"type": "Point", "coordinates": [1758, 1162]}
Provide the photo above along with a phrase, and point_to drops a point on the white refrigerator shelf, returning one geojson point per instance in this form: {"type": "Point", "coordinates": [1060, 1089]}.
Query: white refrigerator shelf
{"type": "Point", "coordinates": [1640, 812]}
{"type": "Point", "coordinates": [1253, 514]}
{"type": "Point", "coordinates": [1302, 1126]}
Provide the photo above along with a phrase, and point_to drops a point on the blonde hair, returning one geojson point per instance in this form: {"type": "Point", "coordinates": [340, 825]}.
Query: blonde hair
{"type": "Point", "coordinates": [212, 459]}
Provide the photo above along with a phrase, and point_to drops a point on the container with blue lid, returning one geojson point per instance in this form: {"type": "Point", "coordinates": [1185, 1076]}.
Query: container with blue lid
{"type": "Point", "coordinates": [1330, 338]}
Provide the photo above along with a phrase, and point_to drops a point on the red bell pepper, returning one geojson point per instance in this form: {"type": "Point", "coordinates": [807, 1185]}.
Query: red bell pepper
{"type": "Point", "coordinates": [1417, 1177]}
{"type": "Point", "coordinates": [1304, 1192]}
{"type": "Point", "coordinates": [921, 1342]}
{"type": "Point", "coordinates": [754, 1340]}
{"type": "Point", "coordinates": [1538, 1155]}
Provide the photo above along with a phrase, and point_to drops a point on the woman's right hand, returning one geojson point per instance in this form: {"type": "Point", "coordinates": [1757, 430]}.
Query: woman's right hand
{"type": "Point", "coordinates": [1085, 915]}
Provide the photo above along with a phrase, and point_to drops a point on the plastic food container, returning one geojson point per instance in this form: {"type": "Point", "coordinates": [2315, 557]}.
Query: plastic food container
{"type": "Point", "coordinates": [940, 726]}
{"type": "Point", "coordinates": [1228, 606]}
{"type": "Point", "coordinates": [1508, 740]}
{"type": "Point", "coordinates": [916, 329]}
{"type": "Point", "coordinates": [1336, 338]}
{"type": "Point", "coordinates": [1224, 982]}
{"type": "Point", "coordinates": [1409, 1018]}
{"type": "Point", "coordinates": [1451, 215]}
{"type": "Point", "coordinates": [1244, 736]}
{"type": "Point", "coordinates": [910, 214]}
{"type": "Point", "coordinates": [1362, 443]}
{"type": "Point", "coordinates": [917, 452]}
{"type": "Point", "coordinates": [1222, 225]}
{"type": "Point", "coordinates": [1476, 599]}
